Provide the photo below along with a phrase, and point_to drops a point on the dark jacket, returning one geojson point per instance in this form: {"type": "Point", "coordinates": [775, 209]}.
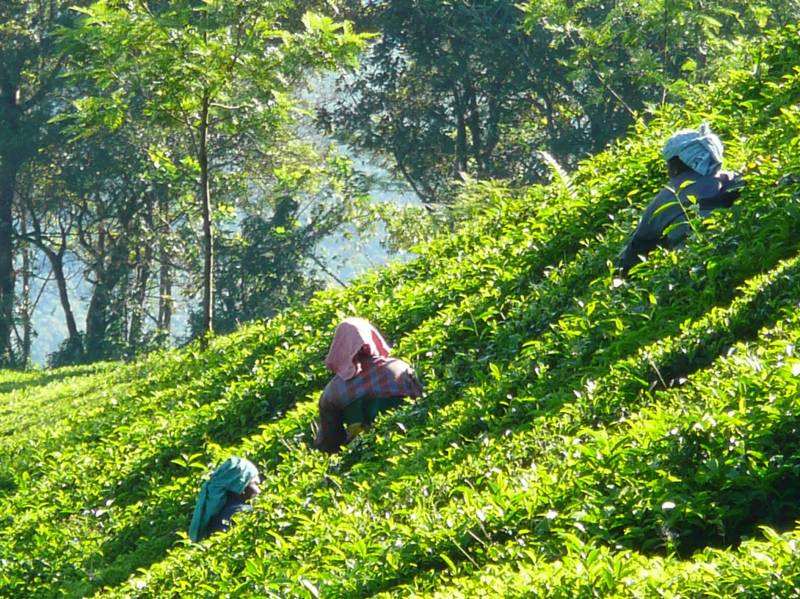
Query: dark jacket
{"type": "Point", "coordinates": [665, 221]}
{"type": "Point", "coordinates": [222, 521]}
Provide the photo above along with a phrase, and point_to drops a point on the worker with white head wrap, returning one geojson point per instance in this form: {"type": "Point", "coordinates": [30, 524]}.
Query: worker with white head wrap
{"type": "Point", "coordinates": [701, 150]}
{"type": "Point", "coordinates": [697, 181]}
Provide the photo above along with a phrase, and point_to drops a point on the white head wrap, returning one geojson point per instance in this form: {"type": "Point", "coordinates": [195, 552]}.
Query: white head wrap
{"type": "Point", "coordinates": [701, 149]}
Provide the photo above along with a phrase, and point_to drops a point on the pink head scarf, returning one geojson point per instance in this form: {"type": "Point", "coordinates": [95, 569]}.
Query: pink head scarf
{"type": "Point", "coordinates": [351, 335]}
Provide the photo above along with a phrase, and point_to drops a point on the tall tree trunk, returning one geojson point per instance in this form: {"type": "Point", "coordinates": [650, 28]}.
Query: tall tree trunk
{"type": "Point", "coordinates": [165, 306]}
{"type": "Point", "coordinates": [492, 136]}
{"type": "Point", "coordinates": [208, 232]}
{"type": "Point", "coordinates": [165, 270]}
{"type": "Point", "coordinates": [6, 264]}
{"type": "Point", "coordinates": [97, 319]}
{"type": "Point", "coordinates": [57, 264]}
{"type": "Point", "coordinates": [461, 133]}
{"type": "Point", "coordinates": [475, 127]}
{"type": "Point", "coordinates": [56, 259]}
{"type": "Point", "coordinates": [9, 166]}
{"type": "Point", "coordinates": [165, 294]}
{"type": "Point", "coordinates": [140, 299]}
{"type": "Point", "coordinates": [144, 256]}
{"type": "Point", "coordinates": [109, 273]}
{"type": "Point", "coordinates": [25, 307]}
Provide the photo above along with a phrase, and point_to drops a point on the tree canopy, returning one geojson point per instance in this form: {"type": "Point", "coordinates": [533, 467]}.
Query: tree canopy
{"type": "Point", "coordinates": [482, 87]}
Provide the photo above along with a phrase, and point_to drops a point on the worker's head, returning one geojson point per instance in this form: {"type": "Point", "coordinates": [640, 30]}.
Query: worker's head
{"type": "Point", "coordinates": [252, 488]}
{"type": "Point", "coordinates": [235, 477]}
{"type": "Point", "coordinates": [698, 149]}
{"type": "Point", "coordinates": [349, 340]}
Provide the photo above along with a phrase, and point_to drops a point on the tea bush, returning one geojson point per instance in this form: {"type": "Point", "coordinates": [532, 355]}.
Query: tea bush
{"type": "Point", "coordinates": [580, 436]}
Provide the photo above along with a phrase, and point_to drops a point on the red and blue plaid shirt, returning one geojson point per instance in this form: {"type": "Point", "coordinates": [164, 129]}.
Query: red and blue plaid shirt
{"type": "Point", "coordinates": [380, 378]}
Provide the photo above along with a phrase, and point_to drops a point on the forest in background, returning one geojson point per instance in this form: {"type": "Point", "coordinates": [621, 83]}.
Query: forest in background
{"type": "Point", "coordinates": [162, 147]}
{"type": "Point", "coordinates": [581, 435]}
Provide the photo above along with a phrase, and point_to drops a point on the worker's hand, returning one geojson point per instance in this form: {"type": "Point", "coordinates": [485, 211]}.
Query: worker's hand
{"type": "Point", "coordinates": [737, 184]}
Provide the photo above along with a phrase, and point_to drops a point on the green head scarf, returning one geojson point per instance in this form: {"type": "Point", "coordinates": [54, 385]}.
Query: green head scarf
{"type": "Point", "coordinates": [233, 475]}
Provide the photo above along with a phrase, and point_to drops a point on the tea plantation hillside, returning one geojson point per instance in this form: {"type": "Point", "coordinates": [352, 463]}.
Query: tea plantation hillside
{"type": "Point", "coordinates": [581, 435]}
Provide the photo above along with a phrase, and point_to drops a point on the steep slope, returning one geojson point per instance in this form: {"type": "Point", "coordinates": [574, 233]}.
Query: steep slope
{"type": "Point", "coordinates": [580, 434]}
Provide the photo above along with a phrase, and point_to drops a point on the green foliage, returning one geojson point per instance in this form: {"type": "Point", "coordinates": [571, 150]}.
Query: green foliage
{"type": "Point", "coordinates": [30, 72]}
{"type": "Point", "coordinates": [217, 79]}
{"type": "Point", "coordinates": [581, 435]}
{"type": "Point", "coordinates": [481, 87]}
{"type": "Point", "coordinates": [441, 90]}
{"type": "Point", "coordinates": [269, 261]}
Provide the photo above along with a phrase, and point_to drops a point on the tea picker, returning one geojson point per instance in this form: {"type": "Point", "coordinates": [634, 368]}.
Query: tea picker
{"type": "Point", "coordinates": [697, 183]}
{"type": "Point", "coordinates": [366, 382]}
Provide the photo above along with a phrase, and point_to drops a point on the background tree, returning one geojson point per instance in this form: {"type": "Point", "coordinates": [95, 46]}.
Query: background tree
{"type": "Point", "coordinates": [624, 57]}
{"type": "Point", "coordinates": [47, 222]}
{"type": "Point", "coordinates": [184, 138]}
{"type": "Point", "coordinates": [271, 259]}
{"type": "Point", "coordinates": [91, 202]}
{"type": "Point", "coordinates": [482, 87]}
{"type": "Point", "coordinates": [30, 66]}
{"type": "Point", "coordinates": [441, 88]}
{"type": "Point", "coordinates": [219, 72]}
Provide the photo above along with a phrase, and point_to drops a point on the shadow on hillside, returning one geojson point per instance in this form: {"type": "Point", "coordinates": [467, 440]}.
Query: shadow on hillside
{"type": "Point", "coordinates": [721, 507]}
{"type": "Point", "coordinates": [8, 484]}
{"type": "Point", "coordinates": [136, 546]}
{"type": "Point", "coordinates": [51, 376]}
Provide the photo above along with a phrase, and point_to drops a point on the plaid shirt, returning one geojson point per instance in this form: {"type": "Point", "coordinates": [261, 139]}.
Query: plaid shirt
{"type": "Point", "coordinates": [381, 378]}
